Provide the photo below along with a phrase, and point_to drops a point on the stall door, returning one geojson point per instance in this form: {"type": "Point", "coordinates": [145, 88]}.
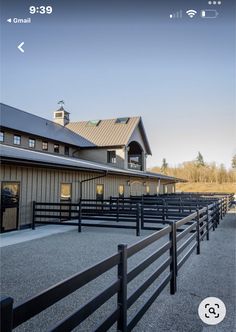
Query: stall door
{"type": "Point", "coordinates": [65, 197]}
{"type": "Point", "coordinates": [9, 206]}
{"type": "Point", "coordinates": [100, 192]}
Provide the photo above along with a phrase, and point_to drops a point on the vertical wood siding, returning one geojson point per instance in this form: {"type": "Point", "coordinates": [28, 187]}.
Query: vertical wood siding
{"type": "Point", "coordinates": [43, 185]}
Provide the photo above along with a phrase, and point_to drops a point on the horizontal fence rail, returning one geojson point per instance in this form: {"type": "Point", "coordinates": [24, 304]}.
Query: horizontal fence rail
{"type": "Point", "coordinates": [181, 236]}
{"type": "Point", "coordinates": [144, 212]}
{"type": "Point", "coordinates": [89, 214]}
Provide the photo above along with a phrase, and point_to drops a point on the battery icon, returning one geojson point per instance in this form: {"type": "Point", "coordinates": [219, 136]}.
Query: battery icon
{"type": "Point", "coordinates": [209, 13]}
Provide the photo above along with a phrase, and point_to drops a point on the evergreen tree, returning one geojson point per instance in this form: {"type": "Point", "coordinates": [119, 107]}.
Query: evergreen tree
{"type": "Point", "coordinates": [164, 166]}
{"type": "Point", "coordinates": [234, 161]}
{"type": "Point", "coordinates": [200, 160]}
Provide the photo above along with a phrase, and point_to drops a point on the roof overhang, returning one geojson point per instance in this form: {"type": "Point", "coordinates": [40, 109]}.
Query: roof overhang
{"type": "Point", "coordinates": [25, 157]}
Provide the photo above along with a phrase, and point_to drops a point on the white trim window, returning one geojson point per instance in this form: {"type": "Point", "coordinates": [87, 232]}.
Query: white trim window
{"type": "Point", "coordinates": [111, 157]}
{"type": "Point", "coordinates": [1, 136]}
{"type": "Point", "coordinates": [31, 143]}
{"type": "Point", "coordinates": [16, 139]}
{"type": "Point", "coordinates": [45, 146]}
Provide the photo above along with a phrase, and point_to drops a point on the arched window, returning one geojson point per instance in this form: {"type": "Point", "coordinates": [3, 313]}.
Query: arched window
{"type": "Point", "coordinates": [135, 156]}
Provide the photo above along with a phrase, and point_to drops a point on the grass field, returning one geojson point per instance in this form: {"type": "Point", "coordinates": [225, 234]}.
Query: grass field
{"type": "Point", "coordinates": [206, 187]}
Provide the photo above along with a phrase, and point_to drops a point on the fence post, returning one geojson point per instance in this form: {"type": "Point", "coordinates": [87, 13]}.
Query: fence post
{"type": "Point", "coordinates": [221, 208]}
{"type": "Point", "coordinates": [198, 233]}
{"type": "Point", "coordinates": [164, 211]}
{"type": "Point", "coordinates": [216, 219]}
{"type": "Point", "coordinates": [218, 212]}
{"type": "Point", "coordinates": [213, 216]}
{"type": "Point", "coordinates": [6, 313]}
{"type": "Point", "coordinates": [102, 203]}
{"type": "Point", "coordinates": [137, 220]}
{"type": "Point", "coordinates": [110, 202]}
{"type": "Point", "coordinates": [70, 210]}
{"type": "Point", "coordinates": [33, 217]}
{"type": "Point", "coordinates": [122, 294]}
{"type": "Point", "coordinates": [117, 210]}
{"type": "Point", "coordinates": [207, 224]}
{"type": "Point", "coordinates": [142, 216]}
{"type": "Point", "coordinates": [79, 216]}
{"type": "Point", "coordinates": [173, 255]}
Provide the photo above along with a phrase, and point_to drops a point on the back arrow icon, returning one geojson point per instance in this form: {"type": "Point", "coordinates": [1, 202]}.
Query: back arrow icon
{"type": "Point", "coordinates": [20, 47]}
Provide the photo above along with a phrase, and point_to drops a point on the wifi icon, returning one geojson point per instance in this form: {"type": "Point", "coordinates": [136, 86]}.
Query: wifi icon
{"type": "Point", "coordinates": [191, 13]}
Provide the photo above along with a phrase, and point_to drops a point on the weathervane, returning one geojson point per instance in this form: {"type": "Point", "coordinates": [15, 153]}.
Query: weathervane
{"type": "Point", "coordinates": [61, 103]}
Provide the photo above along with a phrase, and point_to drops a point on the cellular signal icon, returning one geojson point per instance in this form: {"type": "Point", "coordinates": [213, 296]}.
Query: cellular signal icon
{"type": "Point", "coordinates": [191, 13]}
{"type": "Point", "coordinates": [178, 14]}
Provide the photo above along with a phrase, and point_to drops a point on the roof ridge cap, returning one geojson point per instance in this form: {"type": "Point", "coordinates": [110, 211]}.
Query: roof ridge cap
{"type": "Point", "coordinates": [130, 117]}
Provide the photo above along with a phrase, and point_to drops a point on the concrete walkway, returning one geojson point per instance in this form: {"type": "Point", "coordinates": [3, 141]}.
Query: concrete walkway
{"type": "Point", "coordinates": [7, 239]}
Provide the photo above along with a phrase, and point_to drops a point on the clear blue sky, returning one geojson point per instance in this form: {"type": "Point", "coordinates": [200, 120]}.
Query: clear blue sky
{"type": "Point", "coordinates": [121, 58]}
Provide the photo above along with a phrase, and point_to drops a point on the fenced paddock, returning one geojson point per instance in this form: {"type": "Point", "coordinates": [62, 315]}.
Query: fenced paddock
{"type": "Point", "coordinates": [175, 248]}
{"type": "Point", "coordinates": [144, 212]}
{"type": "Point", "coordinates": [89, 213]}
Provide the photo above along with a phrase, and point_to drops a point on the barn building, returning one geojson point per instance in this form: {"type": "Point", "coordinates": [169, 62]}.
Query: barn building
{"type": "Point", "coordinates": [53, 161]}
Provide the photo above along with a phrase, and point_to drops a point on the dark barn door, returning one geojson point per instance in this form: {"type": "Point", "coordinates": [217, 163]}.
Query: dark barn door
{"type": "Point", "coordinates": [9, 206]}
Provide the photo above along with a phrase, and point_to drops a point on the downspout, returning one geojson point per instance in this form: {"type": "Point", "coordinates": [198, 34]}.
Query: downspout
{"type": "Point", "coordinates": [159, 186]}
{"type": "Point", "coordinates": [90, 179]}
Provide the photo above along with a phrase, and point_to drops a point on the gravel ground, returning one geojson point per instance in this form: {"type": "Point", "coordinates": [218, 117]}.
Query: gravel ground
{"type": "Point", "coordinates": [213, 273]}
{"type": "Point", "coordinates": [30, 267]}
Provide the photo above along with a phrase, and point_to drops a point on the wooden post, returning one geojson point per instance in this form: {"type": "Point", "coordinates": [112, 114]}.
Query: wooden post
{"type": "Point", "coordinates": [6, 303]}
{"type": "Point", "coordinates": [79, 216]}
{"type": "Point", "coordinates": [163, 210]}
{"type": "Point", "coordinates": [207, 225]}
{"type": "Point", "coordinates": [33, 217]}
{"type": "Point", "coordinates": [122, 294]}
{"type": "Point", "coordinates": [137, 220]}
{"type": "Point", "coordinates": [110, 203]}
{"type": "Point", "coordinates": [173, 255]}
{"type": "Point", "coordinates": [220, 208]}
{"type": "Point", "coordinates": [117, 210]}
{"type": "Point", "coordinates": [218, 212]}
{"type": "Point", "coordinates": [142, 216]}
{"type": "Point", "coordinates": [70, 210]}
{"type": "Point", "coordinates": [216, 220]}
{"type": "Point", "coordinates": [198, 233]}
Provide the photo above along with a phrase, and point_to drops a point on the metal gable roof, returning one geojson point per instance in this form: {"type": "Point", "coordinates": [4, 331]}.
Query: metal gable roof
{"type": "Point", "coordinates": [13, 118]}
{"type": "Point", "coordinates": [13, 153]}
{"type": "Point", "coordinates": [109, 132]}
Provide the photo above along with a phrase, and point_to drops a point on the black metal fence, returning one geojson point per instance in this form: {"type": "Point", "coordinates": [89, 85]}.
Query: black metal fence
{"type": "Point", "coordinates": [181, 237]}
